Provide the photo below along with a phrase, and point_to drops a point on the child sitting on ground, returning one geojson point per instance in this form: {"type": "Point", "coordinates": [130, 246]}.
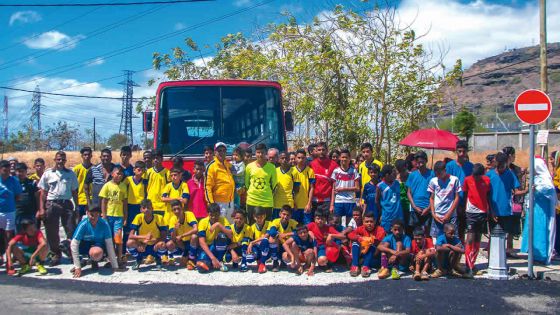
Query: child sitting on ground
{"type": "Point", "coordinates": [395, 249]}
{"type": "Point", "coordinates": [29, 247]}
{"type": "Point", "coordinates": [365, 241]}
{"type": "Point", "coordinates": [357, 220]}
{"type": "Point", "coordinates": [259, 248]}
{"type": "Point", "coordinates": [301, 251]}
{"type": "Point", "coordinates": [214, 235]}
{"type": "Point", "coordinates": [449, 251]}
{"type": "Point", "coordinates": [241, 236]}
{"type": "Point", "coordinates": [182, 229]}
{"type": "Point", "coordinates": [325, 235]}
{"type": "Point", "coordinates": [423, 253]}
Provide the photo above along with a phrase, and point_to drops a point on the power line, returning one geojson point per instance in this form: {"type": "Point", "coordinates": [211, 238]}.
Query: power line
{"type": "Point", "coordinates": [68, 95]}
{"type": "Point", "coordinates": [99, 4]}
{"type": "Point", "coordinates": [138, 45]}
{"type": "Point", "coordinates": [496, 69]}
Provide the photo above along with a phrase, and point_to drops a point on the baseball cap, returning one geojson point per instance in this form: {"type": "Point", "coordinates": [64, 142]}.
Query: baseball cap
{"type": "Point", "coordinates": [11, 158]}
{"type": "Point", "coordinates": [219, 144]}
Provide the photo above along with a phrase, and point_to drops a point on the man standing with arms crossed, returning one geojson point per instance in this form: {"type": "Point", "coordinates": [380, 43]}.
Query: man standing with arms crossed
{"type": "Point", "coordinates": [59, 186]}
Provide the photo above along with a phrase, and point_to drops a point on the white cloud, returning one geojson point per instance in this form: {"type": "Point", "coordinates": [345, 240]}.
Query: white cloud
{"type": "Point", "coordinates": [53, 40]}
{"type": "Point", "coordinates": [179, 26]}
{"type": "Point", "coordinates": [241, 3]}
{"type": "Point", "coordinates": [24, 17]}
{"type": "Point", "coordinates": [95, 62]}
{"type": "Point", "coordinates": [476, 30]}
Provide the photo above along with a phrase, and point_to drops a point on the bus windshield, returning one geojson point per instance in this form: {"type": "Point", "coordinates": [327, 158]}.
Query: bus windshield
{"type": "Point", "coordinates": [192, 117]}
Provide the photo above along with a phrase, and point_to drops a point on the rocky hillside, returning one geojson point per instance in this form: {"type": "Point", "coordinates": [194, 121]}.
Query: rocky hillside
{"type": "Point", "coordinates": [492, 84]}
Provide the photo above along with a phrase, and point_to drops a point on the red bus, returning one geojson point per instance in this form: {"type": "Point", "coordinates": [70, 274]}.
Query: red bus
{"type": "Point", "coordinates": [190, 115]}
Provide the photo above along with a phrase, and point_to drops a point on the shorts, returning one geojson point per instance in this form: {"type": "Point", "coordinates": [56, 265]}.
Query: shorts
{"type": "Point", "coordinates": [477, 223]}
{"type": "Point", "coordinates": [8, 221]}
{"type": "Point", "coordinates": [27, 250]}
{"type": "Point", "coordinates": [321, 251]}
{"type": "Point", "coordinates": [85, 247]}
{"type": "Point", "coordinates": [344, 209]}
{"type": "Point", "coordinates": [509, 223]}
{"type": "Point", "coordinates": [437, 228]}
{"type": "Point", "coordinates": [297, 215]}
{"type": "Point", "coordinates": [133, 211]}
{"type": "Point", "coordinates": [116, 224]}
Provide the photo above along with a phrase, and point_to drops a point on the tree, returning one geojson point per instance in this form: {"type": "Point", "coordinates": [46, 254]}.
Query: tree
{"type": "Point", "coordinates": [117, 140]}
{"type": "Point", "coordinates": [60, 136]}
{"type": "Point", "coordinates": [465, 123]}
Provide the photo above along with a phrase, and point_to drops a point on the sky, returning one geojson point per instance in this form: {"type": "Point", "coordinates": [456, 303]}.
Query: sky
{"type": "Point", "coordinates": [64, 49]}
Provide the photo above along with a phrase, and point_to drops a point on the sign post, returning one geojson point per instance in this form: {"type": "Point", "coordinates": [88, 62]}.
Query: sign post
{"type": "Point", "coordinates": [532, 107]}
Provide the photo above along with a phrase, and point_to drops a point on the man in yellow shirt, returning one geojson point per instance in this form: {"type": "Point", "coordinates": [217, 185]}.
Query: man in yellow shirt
{"type": "Point", "coordinates": [114, 208]}
{"type": "Point", "coordinates": [219, 183]}
{"type": "Point", "coordinates": [81, 171]}
{"type": "Point", "coordinates": [287, 182]}
{"type": "Point", "coordinates": [367, 154]}
{"type": "Point", "coordinates": [157, 179]}
{"type": "Point", "coordinates": [214, 236]}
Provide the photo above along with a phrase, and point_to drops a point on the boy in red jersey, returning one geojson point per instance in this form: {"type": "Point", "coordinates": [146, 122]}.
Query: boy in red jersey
{"type": "Point", "coordinates": [323, 167]}
{"type": "Point", "coordinates": [477, 189]}
{"type": "Point", "coordinates": [29, 247]}
{"type": "Point", "coordinates": [325, 234]}
{"type": "Point", "coordinates": [423, 252]}
{"type": "Point", "coordinates": [365, 240]}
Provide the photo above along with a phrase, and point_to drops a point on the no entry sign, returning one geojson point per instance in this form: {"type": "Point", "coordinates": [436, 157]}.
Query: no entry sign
{"type": "Point", "coordinates": [533, 107]}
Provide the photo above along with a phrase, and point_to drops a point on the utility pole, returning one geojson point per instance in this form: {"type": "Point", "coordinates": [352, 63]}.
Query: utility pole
{"type": "Point", "coordinates": [126, 116]}
{"type": "Point", "coordinates": [543, 64]}
{"type": "Point", "coordinates": [5, 112]}
{"type": "Point", "coordinates": [36, 110]}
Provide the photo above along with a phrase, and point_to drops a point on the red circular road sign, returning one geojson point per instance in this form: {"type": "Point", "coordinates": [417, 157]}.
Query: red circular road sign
{"type": "Point", "coordinates": [533, 107]}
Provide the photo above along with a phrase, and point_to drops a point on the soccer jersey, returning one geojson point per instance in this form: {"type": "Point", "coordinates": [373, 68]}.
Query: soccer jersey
{"type": "Point", "coordinates": [364, 172]}
{"type": "Point", "coordinates": [390, 201]}
{"type": "Point", "coordinates": [426, 243]}
{"type": "Point", "coordinates": [323, 169]}
{"type": "Point", "coordinates": [81, 171]}
{"type": "Point", "coordinates": [180, 191]}
{"type": "Point", "coordinates": [377, 234]}
{"type": "Point", "coordinates": [304, 245]}
{"type": "Point", "coordinates": [95, 234]}
{"type": "Point", "coordinates": [368, 198]}
{"type": "Point", "coordinates": [197, 200]}
{"type": "Point", "coordinates": [260, 182]}
{"type": "Point", "coordinates": [259, 231]}
{"type": "Point", "coordinates": [459, 171]}
{"type": "Point", "coordinates": [305, 178]}
{"type": "Point", "coordinates": [143, 227]}
{"type": "Point", "coordinates": [156, 184]}
{"type": "Point", "coordinates": [29, 241]}
{"type": "Point", "coordinates": [115, 195]}
{"type": "Point", "coordinates": [418, 184]}
{"type": "Point", "coordinates": [345, 179]}
{"type": "Point", "coordinates": [284, 192]}
{"type": "Point", "coordinates": [321, 233]}
{"type": "Point", "coordinates": [392, 240]}
{"type": "Point", "coordinates": [204, 229]}
{"type": "Point", "coordinates": [27, 203]}
{"type": "Point", "coordinates": [477, 194]}
{"type": "Point", "coordinates": [184, 227]}
{"type": "Point", "coordinates": [240, 234]}
{"type": "Point", "coordinates": [444, 193]}
{"type": "Point", "coordinates": [502, 189]}
{"type": "Point", "coordinates": [136, 190]}
{"type": "Point", "coordinates": [290, 226]}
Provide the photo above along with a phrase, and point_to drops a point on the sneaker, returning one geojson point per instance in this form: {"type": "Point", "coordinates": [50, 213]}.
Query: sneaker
{"type": "Point", "coordinates": [171, 261]}
{"type": "Point", "coordinates": [149, 260]}
{"type": "Point", "coordinates": [354, 271]}
{"type": "Point", "coordinates": [244, 268]}
{"type": "Point", "coordinates": [262, 268]}
{"type": "Point", "coordinates": [365, 272]}
{"type": "Point", "coordinates": [456, 274]}
{"type": "Point", "coordinates": [135, 266]}
{"type": "Point", "coordinates": [65, 248]}
{"type": "Point", "coordinates": [11, 271]}
{"type": "Point", "coordinates": [42, 270]}
{"type": "Point", "coordinates": [417, 276]}
{"type": "Point", "coordinates": [223, 267]}
{"type": "Point", "coordinates": [23, 270]}
{"type": "Point", "coordinates": [235, 265]}
{"type": "Point", "coordinates": [425, 276]}
{"type": "Point", "coordinates": [190, 265]}
{"type": "Point", "coordinates": [438, 273]}
{"type": "Point", "coordinates": [275, 266]}
{"type": "Point", "coordinates": [383, 273]}
{"type": "Point", "coordinates": [55, 261]}
{"type": "Point", "coordinates": [395, 275]}
{"type": "Point", "coordinates": [202, 266]}
{"type": "Point", "coordinates": [469, 274]}
{"type": "Point", "coordinates": [165, 259]}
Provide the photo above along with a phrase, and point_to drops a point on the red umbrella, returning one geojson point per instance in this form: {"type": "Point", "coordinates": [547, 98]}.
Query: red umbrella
{"type": "Point", "coordinates": [435, 139]}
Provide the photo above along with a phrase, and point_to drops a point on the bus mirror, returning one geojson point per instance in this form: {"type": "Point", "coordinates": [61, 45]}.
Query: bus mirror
{"type": "Point", "coordinates": [289, 121]}
{"type": "Point", "coordinates": [148, 121]}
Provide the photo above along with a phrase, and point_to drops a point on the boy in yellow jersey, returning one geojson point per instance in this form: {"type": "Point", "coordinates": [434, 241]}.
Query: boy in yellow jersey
{"type": "Point", "coordinates": [259, 248]}
{"type": "Point", "coordinates": [287, 181]}
{"type": "Point", "coordinates": [214, 236]}
{"type": "Point", "coordinates": [157, 179]}
{"type": "Point", "coordinates": [182, 239]}
{"type": "Point", "coordinates": [241, 236]}
{"type": "Point", "coordinates": [284, 226]}
{"type": "Point", "coordinates": [147, 236]}
{"type": "Point", "coordinates": [260, 181]}
{"type": "Point", "coordinates": [305, 176]}
{"type": "Point", "coordinates": [81, 171]}
{"type": "Point", "coordinates": [367, 154]}
{"type": "Point", "coordinates": [136, 190]}
{"type": "Point", "coordinates": [114, 207]}
{"type": "Point", "coordinates": [176, 190]}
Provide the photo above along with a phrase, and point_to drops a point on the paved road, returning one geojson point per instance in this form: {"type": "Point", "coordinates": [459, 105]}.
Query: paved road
{"type": "Point", "coordinates": [453, 296]}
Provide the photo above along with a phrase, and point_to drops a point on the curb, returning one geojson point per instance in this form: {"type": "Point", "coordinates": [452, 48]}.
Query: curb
{"type": "Point", "coordinates": [552, 275]}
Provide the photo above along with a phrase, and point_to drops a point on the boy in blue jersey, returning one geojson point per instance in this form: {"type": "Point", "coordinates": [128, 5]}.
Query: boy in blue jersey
{"type": "Point", "coordinates": [214, 236]}
{"type": "Point", "coordinates": [449, 251]}
{"type": "Point", "coordinates": [241, 236]}
{"type": "Point", "coordinates": [301, 251]}
{"type": "Point", "coordinates": [395, 249]}
{"type": "Point", "coordinates": [388, 197]}
{"type": "Point", "coordinates": [147, 235]}
{"type": "Point", "coordinates": [370, 191]}
{"type": "Point", "coordinates": [417, 192]}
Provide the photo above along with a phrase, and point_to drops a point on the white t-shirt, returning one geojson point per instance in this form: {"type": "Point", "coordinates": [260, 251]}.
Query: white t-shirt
{"type": "Point", "coordinates": [59, 184]}
{"type": "Point", "coordinates": [445, 193]}
{"type": "Point", "coordinates": [345, 179]}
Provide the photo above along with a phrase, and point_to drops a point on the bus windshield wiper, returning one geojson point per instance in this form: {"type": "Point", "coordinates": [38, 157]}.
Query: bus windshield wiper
{"type": "Point", "coordinates": [190, 145]}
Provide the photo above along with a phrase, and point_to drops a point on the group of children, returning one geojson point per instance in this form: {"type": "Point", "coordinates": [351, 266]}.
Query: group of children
{"type": "Point", "coordinates": [325, 213]}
